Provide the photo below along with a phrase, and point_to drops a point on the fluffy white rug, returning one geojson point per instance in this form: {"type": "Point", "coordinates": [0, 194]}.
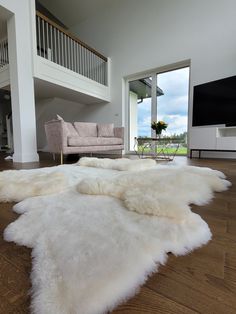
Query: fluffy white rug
{"type": "Point", "coordinates": [160, 191]}
{"type": "Point", "coordinates": [16, 185]}
{"type": "Point", "coordinates": [121, 164]}
{"type": "Point", "coordinates": [89, 252]}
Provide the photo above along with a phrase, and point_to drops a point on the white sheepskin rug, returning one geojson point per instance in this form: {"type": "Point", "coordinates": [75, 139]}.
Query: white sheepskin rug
{"type": "Point", "coordinates": [16, 185]}
{"type": "Point", "coordinates": [92, 252]}
{"type": "Point", "coordinates": [165, 191]}
{"type": "Point", "coordinates": [121, 164]}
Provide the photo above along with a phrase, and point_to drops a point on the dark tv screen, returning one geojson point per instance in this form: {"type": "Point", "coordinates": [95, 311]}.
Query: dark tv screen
{"type": "Point", "coordinates": [215, 102]}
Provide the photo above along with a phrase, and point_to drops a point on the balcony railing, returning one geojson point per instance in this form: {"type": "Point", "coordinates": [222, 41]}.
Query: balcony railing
{"type": "Point", "coordinates": [4, 59]}
{"type": "Point", "coordinates": [58, 45]}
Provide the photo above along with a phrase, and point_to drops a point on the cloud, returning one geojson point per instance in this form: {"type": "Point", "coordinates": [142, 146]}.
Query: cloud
{"type": "Point", "coordinates": [174, 83]}
{"type": "Point", "coordinates": [172, 107]}
{"type": "Point", "coordinates": [144, 110]}
{"type": "Point", "coordinates": [176, 124]}
{"type": "Point", "coordinates": [144, 126]}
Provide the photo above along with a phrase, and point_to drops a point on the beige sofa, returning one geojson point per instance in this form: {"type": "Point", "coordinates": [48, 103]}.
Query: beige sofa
{"type": "Point", "coordinates": [82, 137]}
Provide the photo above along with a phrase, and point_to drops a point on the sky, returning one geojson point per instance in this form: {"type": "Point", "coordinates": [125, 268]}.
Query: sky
{"type": "Point", "coordinates": [172, 107]}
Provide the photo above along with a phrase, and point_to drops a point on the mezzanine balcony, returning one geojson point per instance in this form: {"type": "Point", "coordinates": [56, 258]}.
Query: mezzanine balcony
{"type": "Point", "coordinates": [59, 46]}
{"type": "Point", "coordinates": [63, 64]}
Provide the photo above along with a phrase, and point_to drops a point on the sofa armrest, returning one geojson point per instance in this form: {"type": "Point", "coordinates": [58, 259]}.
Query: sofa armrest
{"type": "Point", "coordinates": [56, 135]}
{"type": "Point", "coordinates": [119, 132]}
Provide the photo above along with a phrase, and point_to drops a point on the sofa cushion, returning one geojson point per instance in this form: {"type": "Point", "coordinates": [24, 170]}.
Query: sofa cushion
{"type": "Point", "coordinates": [70, 130]}
{"type": "Point", "coordinates": [93, 141]}
{"type": "Point", "coordinates": [106, 130]}
{"type": "Point", "coordinates": [86, 129]}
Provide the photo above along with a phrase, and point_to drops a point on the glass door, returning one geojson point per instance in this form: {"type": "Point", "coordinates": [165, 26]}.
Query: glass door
{"type": "Point", "coordinates": [172, 107]}
{"type": "Point", "coordinates": [160, 97]}
{"type": "Point", "coordinates": [140, 108]}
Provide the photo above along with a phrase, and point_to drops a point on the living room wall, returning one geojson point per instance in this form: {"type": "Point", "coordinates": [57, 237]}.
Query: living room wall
{"type": "Point", "coordinates": [139, 35]}
{"type": "Point", "coordinates": [47, 109]}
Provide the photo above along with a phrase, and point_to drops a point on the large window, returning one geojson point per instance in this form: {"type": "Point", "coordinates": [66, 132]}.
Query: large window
{"type": "Point", "coordinates": [140, 104]}
{"type": "Point", "coordinates": [161, 96]}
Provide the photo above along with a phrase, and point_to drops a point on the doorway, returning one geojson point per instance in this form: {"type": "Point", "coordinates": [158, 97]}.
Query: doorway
{"type": "Point", "coordinates": [161, 96]}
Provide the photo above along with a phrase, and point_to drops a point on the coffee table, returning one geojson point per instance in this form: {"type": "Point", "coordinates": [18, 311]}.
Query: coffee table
{"type": "Point", "coordinates": [156, 147]}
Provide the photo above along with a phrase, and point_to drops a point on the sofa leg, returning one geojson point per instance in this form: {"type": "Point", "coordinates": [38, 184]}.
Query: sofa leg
{"type": "Point", "coordinates": [61, 158]}
{"type": "Point", "coordinates": [53, 156]}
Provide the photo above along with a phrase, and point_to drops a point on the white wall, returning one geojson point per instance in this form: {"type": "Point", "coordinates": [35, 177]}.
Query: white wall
{"type": "Point", "coordinates": [47, 109]}
{"type": "Point", "coordinates": [139, 35]}
{"type": "Point", "coordinates": [18, 15]}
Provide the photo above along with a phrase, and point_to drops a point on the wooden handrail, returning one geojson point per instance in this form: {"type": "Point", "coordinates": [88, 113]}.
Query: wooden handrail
{"type": "Point", "coordinates": [61, 29]}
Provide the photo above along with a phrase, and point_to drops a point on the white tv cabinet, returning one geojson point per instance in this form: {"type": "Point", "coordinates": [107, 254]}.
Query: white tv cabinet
{"type": "Point", "coordinates": [219, 139]}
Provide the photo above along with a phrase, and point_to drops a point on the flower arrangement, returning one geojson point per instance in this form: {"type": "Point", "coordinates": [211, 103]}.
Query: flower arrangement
{"type": "Point", "coordinates": [159, 126]}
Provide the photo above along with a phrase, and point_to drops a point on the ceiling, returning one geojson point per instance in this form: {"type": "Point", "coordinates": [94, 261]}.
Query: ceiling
{"type": "Point", "coordinates": [45, 90]}
{"type": "Point", "coordinates": [72, 12]}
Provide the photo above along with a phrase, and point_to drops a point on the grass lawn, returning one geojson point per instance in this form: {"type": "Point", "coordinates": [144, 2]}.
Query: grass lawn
{"type": "Point", "coordinates": [180, 151]}
{"type": "Point", "coordinates": [168, 150]}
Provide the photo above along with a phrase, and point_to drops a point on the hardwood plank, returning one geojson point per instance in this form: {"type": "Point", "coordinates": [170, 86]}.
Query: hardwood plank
{"type": "Point", "coordinates": [187, 270]}
{"type": "Point", "coordinates": [183, 293]}
{"type": "Point", "coordinates": [14, 286]}
{"type": "Point", "coordinates": [201, 282]}
{"type": "Point", "coordinates": [217, 225]}
{"type": "Point", "coordinates": [152, 303]}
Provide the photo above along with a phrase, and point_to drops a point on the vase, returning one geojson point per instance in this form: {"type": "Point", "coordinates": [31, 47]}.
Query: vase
{"type": "Point", "coordinates": [158, 134]}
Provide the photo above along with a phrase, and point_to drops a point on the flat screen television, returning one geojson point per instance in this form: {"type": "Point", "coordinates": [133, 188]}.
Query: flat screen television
{"type": "Point", "coordinates": [215, 103]}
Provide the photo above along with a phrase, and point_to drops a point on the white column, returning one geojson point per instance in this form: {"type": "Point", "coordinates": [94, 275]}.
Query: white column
{"type": "Point", "coordinates": [22, 86]}
{"type": "Point", "coordinates": [133, 118]}
{"type": "Point", "coordinates": [154, 102]}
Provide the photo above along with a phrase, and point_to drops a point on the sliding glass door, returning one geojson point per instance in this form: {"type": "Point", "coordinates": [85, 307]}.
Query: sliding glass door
{"type": "Point", "coordinates": [160, 96]}
{"type": "Point", "coordinates": [172, 107]}
{"type": "Point", "coordinates": [140, 108]}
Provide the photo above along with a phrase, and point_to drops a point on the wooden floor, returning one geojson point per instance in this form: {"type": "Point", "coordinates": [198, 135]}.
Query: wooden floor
{"type": "Point", "coordinates": [201, 282]}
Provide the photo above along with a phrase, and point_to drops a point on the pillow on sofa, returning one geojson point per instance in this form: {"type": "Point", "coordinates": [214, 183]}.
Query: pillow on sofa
{"type": "Point", "coordinates": [71, 131]}
{"type": "Point", "coordinates": [106, 130]}
{"type": "Point", "coordinates": [86, 129]}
